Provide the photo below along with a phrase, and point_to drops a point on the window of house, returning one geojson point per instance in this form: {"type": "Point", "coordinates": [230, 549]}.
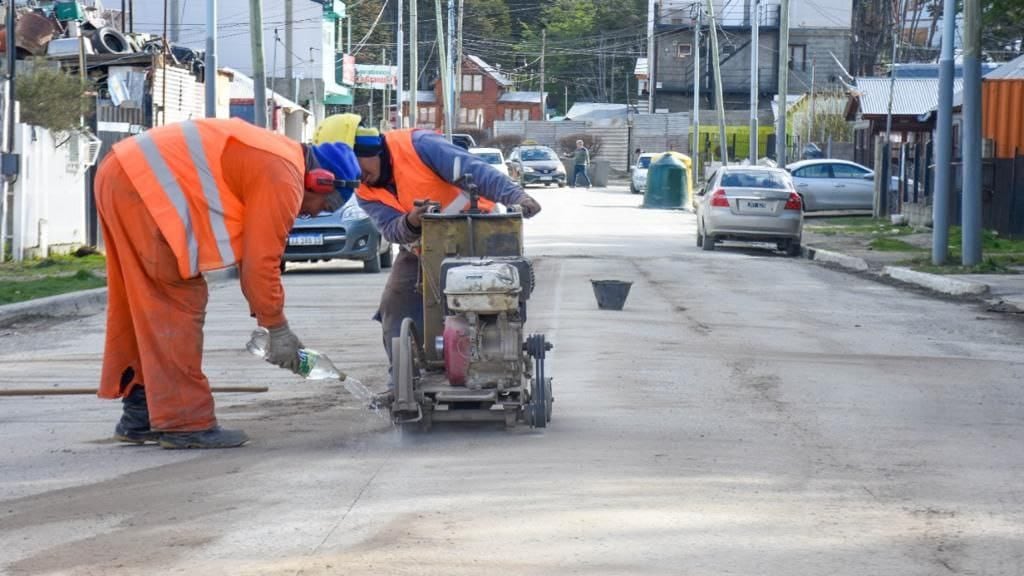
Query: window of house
{"type": "Point", "coordinates": [470, 115]}
{"type": "Point", "coordinates": [472, 83]}
{"type": "Point", "coordinates": [517, 114]}
{"type": "Point", "coordinates": [798, 57]}
{"type": "Point", "coordinates": [683, 50]}
{"type": "Point", "coordinates": [427, 115]}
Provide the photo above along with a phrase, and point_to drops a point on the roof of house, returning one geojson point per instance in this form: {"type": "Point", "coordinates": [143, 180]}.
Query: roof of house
{"type": "Point", "coordinates": [641, 67]}
{"type": "Point", "coordinates": [489, 70]}
{"type": "Point", "coordinates": [243, 87]}
{"type": "Point", "coordinates": [597, 111]}
{"type": "Point", "coordinates": [520, 97]}
{"type": "Point", "coordinates": [1012, 70]}
{"type": "Point", "coordinates": [910, 96]}
{"type": "Point", "coordinates": [791, 99]}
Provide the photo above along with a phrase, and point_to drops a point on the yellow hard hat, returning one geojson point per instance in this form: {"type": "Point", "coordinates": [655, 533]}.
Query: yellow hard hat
{"type": "Point", "coordinates": [338, 128]}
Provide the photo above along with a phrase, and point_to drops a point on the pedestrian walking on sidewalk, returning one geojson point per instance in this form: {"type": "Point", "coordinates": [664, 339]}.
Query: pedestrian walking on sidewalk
{"type": "Point", "coordinates": [581, 160]}
{"type": "Point", "coordinates": [174, 202]}
{"type": "Point", "coordinates": [402, 171]}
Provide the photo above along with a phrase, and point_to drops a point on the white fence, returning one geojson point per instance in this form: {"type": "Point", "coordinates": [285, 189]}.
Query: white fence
{"type": "Point", "coordinates": [48, 212]}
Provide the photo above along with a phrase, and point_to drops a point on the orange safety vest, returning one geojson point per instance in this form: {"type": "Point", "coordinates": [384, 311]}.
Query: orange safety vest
{"type": "Point", "coordinates": [414, 180]}
{"type": "Point", "coordinates": [177, 171]}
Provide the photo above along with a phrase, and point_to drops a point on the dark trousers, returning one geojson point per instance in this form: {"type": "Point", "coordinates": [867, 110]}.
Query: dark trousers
{"type": "Point", "coordinates": [580, 170]}
{"type": "Point", "coordinates": [401, 299]}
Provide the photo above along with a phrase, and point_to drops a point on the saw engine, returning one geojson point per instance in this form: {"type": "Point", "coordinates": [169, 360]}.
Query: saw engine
{"type": "Point", "coordinates": [485, 309]}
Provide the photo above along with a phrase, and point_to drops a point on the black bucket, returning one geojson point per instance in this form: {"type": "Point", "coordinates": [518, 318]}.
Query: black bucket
{"type": "Point", "coordinates": [611, 294]}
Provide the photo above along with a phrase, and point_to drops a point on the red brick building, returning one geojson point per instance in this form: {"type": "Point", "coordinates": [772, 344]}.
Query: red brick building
{"type": "Point", "coordinates": [487, 95]}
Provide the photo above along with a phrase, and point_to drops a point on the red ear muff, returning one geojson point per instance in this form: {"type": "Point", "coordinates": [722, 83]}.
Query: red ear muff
{"type": "Point", "coordinates": [320, 181]}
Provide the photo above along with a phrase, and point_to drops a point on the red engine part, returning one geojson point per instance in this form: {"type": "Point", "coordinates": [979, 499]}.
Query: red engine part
{"type": "Point", "coordinates": [456, 349]}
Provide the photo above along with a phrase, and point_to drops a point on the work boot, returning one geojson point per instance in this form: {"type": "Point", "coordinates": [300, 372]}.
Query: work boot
{"type": "Point", "coordinates": [134, 425]}
{"type": "Point", "coordinates": [215, 437]}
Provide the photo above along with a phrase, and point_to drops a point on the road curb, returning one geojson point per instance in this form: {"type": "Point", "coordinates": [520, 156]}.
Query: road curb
{"type": "Point", "coordinates": [936, 282]}
{"type": "Point", "coordinates": [76, 304]}
{"type": "Point", "coordinates": [836, 258]}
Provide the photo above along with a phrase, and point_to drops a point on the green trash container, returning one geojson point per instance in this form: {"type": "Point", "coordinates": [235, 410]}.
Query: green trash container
{"type": "Point", "coordinates": [666, 183]}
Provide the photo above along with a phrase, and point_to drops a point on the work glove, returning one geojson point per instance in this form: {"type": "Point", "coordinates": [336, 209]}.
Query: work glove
{"type": "Point", "coordinates": [530, 207]}
{"type": "Point", "coordinates": [419, 207]}
{"type": "Point", "coordinates": [283, 350]}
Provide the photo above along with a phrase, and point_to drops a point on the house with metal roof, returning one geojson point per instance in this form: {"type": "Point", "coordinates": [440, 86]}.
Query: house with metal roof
{"type": "Point", "coordinates": [486, 95]}
{"type": "Point", "coordinates": [868, 109]}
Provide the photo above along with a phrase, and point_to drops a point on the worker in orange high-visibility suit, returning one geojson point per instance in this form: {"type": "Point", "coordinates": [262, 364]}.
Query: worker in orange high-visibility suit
{"type": "Point", "coordinates": [174, 202]}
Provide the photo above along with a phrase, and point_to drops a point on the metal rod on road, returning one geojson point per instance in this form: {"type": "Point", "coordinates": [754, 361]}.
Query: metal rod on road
{"type": "Point", "coordinates": [944, 139]}
{"type": "Point", "coordinates": [971, 212]}
{"type": "Point", "coordinates": [210, 62]}
{"type": "Point", "coordinates": [780, 126]}
{"type": "Point", "coordinates": [84, 391]}
{"type": "Point", "coordinates": [259, 76]}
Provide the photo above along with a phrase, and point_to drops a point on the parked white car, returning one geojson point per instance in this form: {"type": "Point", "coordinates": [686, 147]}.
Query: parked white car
{"type": "Point", "coordinates": [638, 178]}
{"type": "Point", "coordinates": [492, 156]}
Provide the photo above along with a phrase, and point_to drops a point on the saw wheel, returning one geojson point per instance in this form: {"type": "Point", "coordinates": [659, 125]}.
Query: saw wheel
{"type": "Point", "coordinates": [538, 411]}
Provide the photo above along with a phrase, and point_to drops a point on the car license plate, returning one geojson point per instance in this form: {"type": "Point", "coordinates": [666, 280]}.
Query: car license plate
{"type": "Point", "coordinates": [545, 178]}
{"type": "Point", "coordinates": [306, 240]}
{"type": "Point", "coordinates": [755, 206]}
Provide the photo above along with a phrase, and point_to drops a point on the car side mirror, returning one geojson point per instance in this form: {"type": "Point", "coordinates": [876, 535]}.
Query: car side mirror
{"type": "Point", "coordinates": [869, 176]}
{"type": "Point", "coordinates": [633, 167]}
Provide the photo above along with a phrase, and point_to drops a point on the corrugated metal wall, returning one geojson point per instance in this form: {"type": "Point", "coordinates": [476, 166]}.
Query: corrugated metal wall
{"type": "Point", "coordinates": [1002, 108]}
{"type": "Point", "coordinates": [659, 132]}
{"type": "Point", "coordinates": [651, 132]}
{"type": "Point", "coordinates": [184, 96]}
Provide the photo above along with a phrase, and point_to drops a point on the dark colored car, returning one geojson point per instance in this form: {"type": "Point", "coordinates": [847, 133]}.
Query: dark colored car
{"type": "Point", "coordinates": [347, 234]}
{"type": "Point", "coordinates": [536, 165]}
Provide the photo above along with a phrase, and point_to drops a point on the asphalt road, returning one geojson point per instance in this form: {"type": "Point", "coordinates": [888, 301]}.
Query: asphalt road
{"type": "Point", "coordinates": [745, 414]}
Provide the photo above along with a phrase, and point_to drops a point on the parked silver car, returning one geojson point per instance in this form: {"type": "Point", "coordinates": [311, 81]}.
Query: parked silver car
{"type": "Point", "coordinates": [750, 203]}
{"type": "Point", "coordinates": [346, 234]}
{"type": "Point", "coordinates": [829, 184]}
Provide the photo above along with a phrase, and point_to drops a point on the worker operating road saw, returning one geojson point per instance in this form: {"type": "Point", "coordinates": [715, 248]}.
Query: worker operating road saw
{"type": "Point", "coordinates": [177, 201]}
{"type": "Point", "coordinates": [402, 173]}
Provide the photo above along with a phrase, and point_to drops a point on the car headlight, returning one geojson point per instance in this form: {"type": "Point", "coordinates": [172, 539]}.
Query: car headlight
{"type": "Point", "coordinates": [527, 169]}
{"type": "Point", "coordinates": [560, 169]}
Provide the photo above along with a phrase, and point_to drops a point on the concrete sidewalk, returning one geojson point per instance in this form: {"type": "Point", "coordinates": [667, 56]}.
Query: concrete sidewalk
{"type": "Point", "coordinates": [77, 304]}
{"type": "Point", "coordinates": [1004, 292]}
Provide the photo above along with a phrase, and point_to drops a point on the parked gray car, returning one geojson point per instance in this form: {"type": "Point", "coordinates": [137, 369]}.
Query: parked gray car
{"type": "Point", "coordinates": [536, 165]}
{"type": "Point", "coordinates": [829, 184]}
{"type": "Point", "coordinates": [750, 203]}
{"type": "Point", "coordinates": [346, 234]}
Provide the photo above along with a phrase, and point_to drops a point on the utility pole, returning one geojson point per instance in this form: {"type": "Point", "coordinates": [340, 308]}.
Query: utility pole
{"type": "Point", "coordinates": [780, 127]}
{"type": "Point", "coordinates": [944, 138]}
{"type": "Point", "coordinates": [566, 100]}
{"type": "Point", "coordinates": [454, 69]}
{"type": "Point", "coordinates": [400, 56]}
{"type": "Point", "coordinates": [883, 204]}
{"type": "Point", "coordinates": [385, 108]}
{"type": "Point", "coordinates": [755, 30]}
{"type": "Point", "coordinates": [651, 56]}
{"type": "Point", "coordinates": [723, 144]}
{"type": "Point", "coordinates": [971, 212]}
{"type": "Point", "coordinates": [458, 58]}
{"type": "Point", "coordinates": [695, 118]}
{"type": "Point", "coordinates": [175, 21]}
{"type": "Point", "coordinates": [414, 62]}
{"type": "Point", "coordinates": [443, 65]}
{"type": "Point", "coordinates": [211, 59]}
{"type": "Point", "coordinates": [289, 47]}
{"type": "Point", "coordinates": [810, 123]}
{"type": "Point", "coordinates": [543, 49]}
{"type": "Point", "coordinates": [8, 135]}
{"type": "Point", "coordinates": [259, 76]}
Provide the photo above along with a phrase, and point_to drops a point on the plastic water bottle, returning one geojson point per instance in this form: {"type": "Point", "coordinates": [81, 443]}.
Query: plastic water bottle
{"type": "Point", "coordinates": [312, 364]}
